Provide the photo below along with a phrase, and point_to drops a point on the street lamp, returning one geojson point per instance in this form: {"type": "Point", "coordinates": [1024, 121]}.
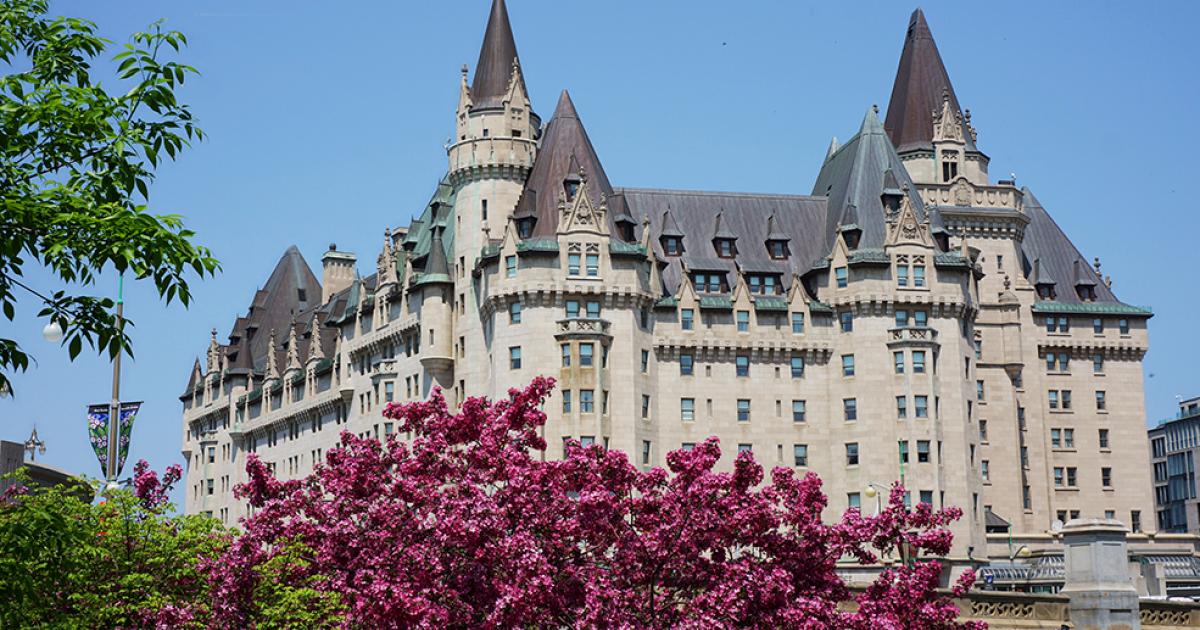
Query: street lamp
{"type": "Point", "coordinates": [875, 491]}
{"type": "Point", "coordinates": [34, 445]}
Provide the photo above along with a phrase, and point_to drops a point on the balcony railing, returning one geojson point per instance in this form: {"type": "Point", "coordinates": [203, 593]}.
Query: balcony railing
{"type": "Point", "coordinates": [913, 333]}
{"type": "Point", "coordinates": [584, 326]}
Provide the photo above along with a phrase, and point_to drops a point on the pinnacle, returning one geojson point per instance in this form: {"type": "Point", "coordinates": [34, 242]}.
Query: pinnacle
{"type": "Point", "coordinates": [565, 107]}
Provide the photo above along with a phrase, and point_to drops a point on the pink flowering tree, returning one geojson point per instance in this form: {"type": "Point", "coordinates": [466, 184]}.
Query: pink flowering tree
{"type": "Point", "coordinates": [468, 525]}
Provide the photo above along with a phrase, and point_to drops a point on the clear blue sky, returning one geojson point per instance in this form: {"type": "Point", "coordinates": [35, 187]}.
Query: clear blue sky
{"type": "Point", "coordinates": [326, 123]}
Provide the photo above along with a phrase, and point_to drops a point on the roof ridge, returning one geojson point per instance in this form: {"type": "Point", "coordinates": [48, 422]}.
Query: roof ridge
{"type": "Point", "coordinates": [714, 193]}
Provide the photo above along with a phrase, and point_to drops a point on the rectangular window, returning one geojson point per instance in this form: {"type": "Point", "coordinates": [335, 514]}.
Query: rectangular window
{"type": "Point", "coordinates": [901, 275]}
{"type": "Point", "coordinates": [1071, 477]}
{"type": "Point", "coordinates": [514, 357]}
{"type": "Point", "coordinates": [901, 318]}
{"type": "Point", "coordinates": [1103, 438]}
{"type": "Point", "coordinates": [922, 451]}
{"type": "Point", "coordinates": [593, 264]}
{"type": "Point", "coordinates": [1069, 438]}
{"type": "Point", "coordinates": [898, 359]}
{"type": "Point", "coordinates": [685, 364]}
{"type": "Point", "coordinates": [847, 320]}
{"type": "Point", "coordinates": [979, 391]}
{"type": "Point", "coordinates": [1123, 326]}
{"type": "Point", "coordinates": [927, 497]}
{"type": "Point", "coordinates": [920, 319]}
{"type": "Point", "coordinates": [566, 396]}
{"type": "Point", "coordinates": [902, 406]}
{"type": "Point", "coordinates": [922, 405]}
{"type": "Point", "coordinates": [843, 278]}
{"type": "Point", "coordinates": [645, 361]}
{"type": "Point", "coordinates": [593, 310]}
{"type": "Point", "coordinates": [1064, 362]}
{"type": "Point", "coordinates": [572, 308]}
{"type": "Point", "coordinates": [853, 500]}
{"type": "Point", "coordinates": [852, 453]}
{"type": "Point", "coordinates": [1055, 438]}
{"type": "Point", "coordinates": [645, 452]}
{"type": "Point", "coordinates": [587, 400]}
{"type": "Point", "coordinates": [797, 367]}
{"type": "Point", "coordinates": [389, 391]}
{"type": "Point", "coordinates": [514, 313]}
{"type": "Point", "coordinates": [1066, 398]}
{"type": "Point", "coordinates": [1064, 324]}
{"type": "Point", "coordinates": [918, 361]}
{"type": "Point", "coordinates": [1051, 323]}
{"type": "Point", "coordinates": [918, 275]}
{"type": "Point", "coordinates": [1101, 401]}
{"type": "Point", "coordinates": [850, 409]}
{"type": "Point", "coordinates": [800, 454]}
{"type": "Point", "coordinates": [743, 365]}
{"type": "Point", "coordinates": [847, 365]}
{"type": "Point", "coordinates": [566, 355]}
{"type": "Point", "coordinates": [797, 323]}
{"type": "Point", "coordinates": [743, 321]}
{"type": "Point", "coordinates": [978, 349]}
{"type": "Point", "coordinates": [687, 409]}
{"type": "Point", "coordinates": [573, 264]}
{"type": "Point", "coordinates": [745, 448]}
{"type": "Point", "coordinates": [1106, 477]}
{"type": "Point", "coordinates": [1135, 518]}
{"type": "Point", "coordinates": [587, 440]}
{"type": "Point", "coordinates": [686, 319]}
{"type": "Point", "coordinates": [1098, 325]}
{"type": "Point", "coordinates": [903, 451]}
{"type": "Point", "coordinates": [586, 353]}
{"type": "Point", "coordinates": [1053, 398]}
{"type": "Point", "coordinates": [645, 405]}
{"type": "Point", "coordinates": [984, 470]}
{"type": "Point", "coordinates": [798, 411]}
{"type": "Point", "coordinates": [1097, 363]}
{"type": "Point", "coordinates": [983, 430]}
{"type": "Point", "coordinates": [743, 410]}
{"type": "Point", "coordinates": [1051, 362]}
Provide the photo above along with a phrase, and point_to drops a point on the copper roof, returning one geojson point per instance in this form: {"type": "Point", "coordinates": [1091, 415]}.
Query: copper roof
{"type": "Point", "coordinates": [290, 290]}
{"type": "Point", "coordinates": [921, 80]}
{"type": "Point", "coordinates": [1049, 257]}
{"type": "Point", "coordinates": [565, 151]}
{"type": "Point", "coordinates": [496, 59]}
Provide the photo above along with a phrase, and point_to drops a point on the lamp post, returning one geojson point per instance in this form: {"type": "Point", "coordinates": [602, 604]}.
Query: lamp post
{"type": "Point", "coordinates": [34, 445]}
{"type": "Point", "coordinates": [875, 491]}
{"type": "Point", "coordinates": [114, 415]}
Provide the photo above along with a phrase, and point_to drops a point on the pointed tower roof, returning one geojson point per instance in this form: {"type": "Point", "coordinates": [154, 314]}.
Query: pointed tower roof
{"type": "Point", "coordinates": [857, 175]}
{"type": "Point", "coordinates": [566, 149]}
{"type": "Point", "coordinates": [670, 227]}
{"type": "Point", "coordinates": [921, 80]}
{"type": "Point", "coordinates": [195, 376]}
{"type": "Point", "coordinates": [497, 57]}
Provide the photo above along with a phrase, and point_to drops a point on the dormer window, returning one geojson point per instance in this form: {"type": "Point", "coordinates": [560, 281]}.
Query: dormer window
{"type": "Point", "coordinates": [949, 170]}
{"type": "Point", "coordinates": [765, 283]}
{"type": "Point", "coordinates": [571, 187]}
{"type": "Point", "coordinates": [1086, 293]}
{"type": "Point", "coordinates": [705, 282]}
{"type": "Point", "coordinates": [778, 250]}
{"type": "Point", "coordinates": [525, 227]}
{"type": "Point", "coordinates": [1045, 291]}
{"type": "Point", "coordinates": [725, 247]}
{"type": "Point", "coordinates": [625, 228]}
{"type": "Point", "coordinates": [672, 245]}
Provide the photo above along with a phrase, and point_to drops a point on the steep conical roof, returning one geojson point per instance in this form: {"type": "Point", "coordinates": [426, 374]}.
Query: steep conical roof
{"type": "Point", "coordinates": [496, 59]}
{"type": "Point", "coordinates": [921, 79]}
{"type": "Point", "coordinates": [857, 175]}
{"type": "Point", "coordinates": [565, 151]}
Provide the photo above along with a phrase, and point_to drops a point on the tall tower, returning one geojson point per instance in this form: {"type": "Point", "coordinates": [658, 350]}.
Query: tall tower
{"type": "Point", "coordinates": [495, 142]}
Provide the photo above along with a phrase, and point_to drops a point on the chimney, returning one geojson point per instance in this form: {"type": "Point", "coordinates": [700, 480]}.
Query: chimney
{"type": "Point", "coordinates": [338, 273]}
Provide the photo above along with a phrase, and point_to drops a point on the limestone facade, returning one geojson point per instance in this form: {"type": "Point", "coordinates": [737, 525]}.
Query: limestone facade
{"type": "Point", "coordinates": [891, 325]}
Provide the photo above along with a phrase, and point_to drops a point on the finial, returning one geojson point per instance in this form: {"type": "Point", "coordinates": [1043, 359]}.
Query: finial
{"type": "Point", "coordinates": [945, 94]}
{"type": "Point", "coordinates": [1108, 281]}
{"type": "Point", "coordinates": [464, 70]}
{"type": "Point", "coordinates": [875, 108]}
{"type": "Point", "coordinates": [214, 333]}
{"type": "Point", "coordinates": [1007, 282]}
{"type": "Point", "coordinates": [333, 247]}
{"type": "Point", "coordinates": [1096, 264]}
{"type": "Point", "coordinates": [904, 188]}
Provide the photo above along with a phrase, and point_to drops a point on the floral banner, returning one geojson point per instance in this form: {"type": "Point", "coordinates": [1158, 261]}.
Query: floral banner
{"type": "Point", "coordinates": [98, 417]}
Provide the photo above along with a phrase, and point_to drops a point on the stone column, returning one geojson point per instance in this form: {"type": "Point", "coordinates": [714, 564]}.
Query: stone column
{"type": "Point", "coordinates": [1098, 583]}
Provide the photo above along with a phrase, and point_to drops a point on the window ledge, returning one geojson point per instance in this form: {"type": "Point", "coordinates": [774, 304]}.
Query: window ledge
{"type": "Point", "coordinates": [1109, 488]}
{"type": "Point", "coordinates": [1062, 411]}
{"type": "Point", "coordinates": [1067, 488]}
{"type": "Point", "coordinates": [1106, 450]}
{"type": "Point", "coordinates": [1061, 449]}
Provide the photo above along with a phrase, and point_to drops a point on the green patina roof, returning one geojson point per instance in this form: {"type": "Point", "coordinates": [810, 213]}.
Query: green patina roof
{"type": "Point", "coordinates": [431, 278]}
{"type": "Point", "coordinates": [1091, 308]}
{"type": "Point", "coordinates": [819, 307]}
{"type": "Point", "coordinates": [324, 365]}
{"type": "Point", "coordinates": [538, 245]}
{"type": "Point", "coordinates": [716, 302]}
{"type": "Point", "coordinates": [489, 251]}
{"type": "Point", "coordinates": [667, 302]}
{"type": "Point", "coordinates": [770, 304]}
{"type": "Point", "coordinates": [869, 257]}
{"type": "Point", "coordinates": [420, 232]}
{"type": "Point", "coordinates": [621, 248]}
{"type": "Point", "coordinates": [951, 259]}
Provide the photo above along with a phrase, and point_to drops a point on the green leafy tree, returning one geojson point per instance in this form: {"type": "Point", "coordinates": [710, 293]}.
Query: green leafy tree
{"type": "Point", "coordinates": [76, 163]}
{"type": "Point", "coordinates": [125, 562]}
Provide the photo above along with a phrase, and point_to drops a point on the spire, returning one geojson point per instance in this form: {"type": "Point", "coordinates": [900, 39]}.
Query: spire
{"type": "Point", "coordinates": [921, 79]}
{"type": "Point", "coordinates": [436, 262]}
{"type": "Point", "coordinates": [833, 147]}
{"type": "Point", "coordinates": [566, 155]}
{"type": "Point", "coordinates": [315, 352]}
{"type": "Point", "coordinates": [293, 353]}
{"type": "Point", "coordinates": [497, 59]}
{"type": "Point", "coordinates": [272, 361]}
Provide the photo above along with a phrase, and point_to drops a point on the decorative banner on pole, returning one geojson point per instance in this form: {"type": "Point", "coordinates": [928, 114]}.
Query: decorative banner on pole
{"type": "Point", "coordinates": [98, 416]}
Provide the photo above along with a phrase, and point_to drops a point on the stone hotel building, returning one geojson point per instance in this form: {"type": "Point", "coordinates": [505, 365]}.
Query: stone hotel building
{"type": "Point", "coordinates": [908, 317]}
